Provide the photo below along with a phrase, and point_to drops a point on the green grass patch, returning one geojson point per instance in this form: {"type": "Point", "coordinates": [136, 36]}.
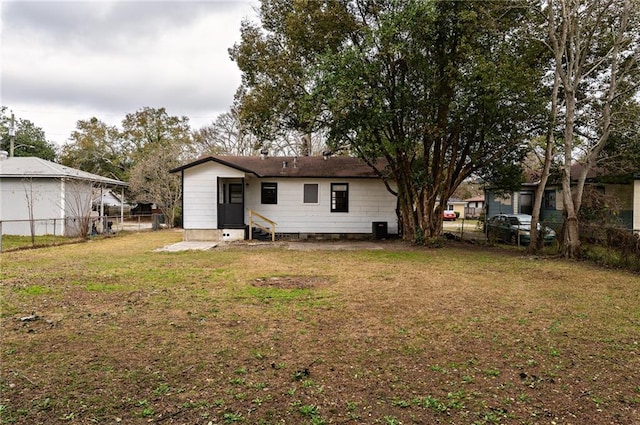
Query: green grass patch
{"type": "Point", "coordinates": [267, 295]}
{"type": "Point", "coordinates": [35, 290]}
{"type": "Point", "coordinates": [15, 242]}
{"type": "Point", "coordinates": [104, 287]}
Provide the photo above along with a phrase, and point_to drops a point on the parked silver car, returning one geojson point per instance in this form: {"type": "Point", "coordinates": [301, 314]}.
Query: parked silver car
{"type": "Point", "coordinates": [515, 228]}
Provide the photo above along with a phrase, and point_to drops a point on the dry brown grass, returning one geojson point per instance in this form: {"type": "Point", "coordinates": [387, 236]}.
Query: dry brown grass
{"type": "Point", "coordinates": [265, 335]}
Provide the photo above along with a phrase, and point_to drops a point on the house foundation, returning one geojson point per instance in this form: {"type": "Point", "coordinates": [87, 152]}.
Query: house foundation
{"type": "Point", "coordinates": [213, 235]}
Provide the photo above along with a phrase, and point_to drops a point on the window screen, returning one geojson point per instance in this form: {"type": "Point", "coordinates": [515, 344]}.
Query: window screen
{"type": "Point", "coordinates": [310, 194]}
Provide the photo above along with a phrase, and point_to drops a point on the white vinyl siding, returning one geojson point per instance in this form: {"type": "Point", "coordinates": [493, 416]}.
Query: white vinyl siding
{"type": "Point", "coordinates": [50, 198]}
{"type": "Point", "coordinates": [200, 193]}
{"type": "Point", "coordinates": [369, 201]}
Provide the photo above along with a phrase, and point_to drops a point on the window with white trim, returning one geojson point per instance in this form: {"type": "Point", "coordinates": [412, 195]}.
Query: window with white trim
{"type": "Point", "coordinates": [310, 194]}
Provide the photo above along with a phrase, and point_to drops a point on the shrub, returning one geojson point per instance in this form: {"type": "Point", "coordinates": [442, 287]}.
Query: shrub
{"type": "Point", "coordinates": [616, 247]}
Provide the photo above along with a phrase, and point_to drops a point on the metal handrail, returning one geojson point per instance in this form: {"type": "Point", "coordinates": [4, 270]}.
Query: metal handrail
{"type": "Point", "coordinates": [252, 223]}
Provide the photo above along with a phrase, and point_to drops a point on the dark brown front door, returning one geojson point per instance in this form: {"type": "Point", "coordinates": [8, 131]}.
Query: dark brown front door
{"type": "Point", "coordinates": [231, 205]}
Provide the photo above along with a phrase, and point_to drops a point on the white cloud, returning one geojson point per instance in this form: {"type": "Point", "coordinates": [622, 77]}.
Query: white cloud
{"type": "Point", "coordinates": [66, 61]}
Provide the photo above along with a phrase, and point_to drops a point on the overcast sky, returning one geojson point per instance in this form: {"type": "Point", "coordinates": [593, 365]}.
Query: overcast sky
{"type": "Point", "coordinates": [64, 61]}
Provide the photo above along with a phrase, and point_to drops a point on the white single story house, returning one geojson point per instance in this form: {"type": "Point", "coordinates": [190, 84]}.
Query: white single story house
{"type": "Point", "coordinates": [42, 197]}
{"type": "Point", "coordinates": [111, 202]}
{"type": "Point", "coordinates": [327, 197]}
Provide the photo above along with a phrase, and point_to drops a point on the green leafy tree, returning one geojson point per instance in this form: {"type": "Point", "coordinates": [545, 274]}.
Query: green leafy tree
{"type": "Point", "coordinates": [147, 128]}
{"type": "Point", "coordinates": [157, 142]}
{"type": "Point", "coordinates": [279, 58]}
{"type": "Point", "coordinates": [97, 148]}
{"type": "Point", "coordinates": [29, 140]}
{"type": "Point", "coordinates": [621, 153]}
{"type": "Point", "coordinates": [440, 89]}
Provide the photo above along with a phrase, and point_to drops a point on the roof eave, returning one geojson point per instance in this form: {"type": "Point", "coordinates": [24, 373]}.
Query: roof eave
{"type": "Point", "coordinates": [213, 159]}
{"type": "Point", "coordinates": [108, 182]}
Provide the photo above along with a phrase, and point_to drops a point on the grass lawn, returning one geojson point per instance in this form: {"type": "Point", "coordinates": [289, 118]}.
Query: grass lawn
{"type": "Point", "coordinates": [110, 332]}
{"type": "Point", "coordinates": [13, 242]}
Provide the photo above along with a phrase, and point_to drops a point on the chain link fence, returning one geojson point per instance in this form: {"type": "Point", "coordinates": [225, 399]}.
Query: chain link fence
{"type": "Point", "coordinates": [607, 236]}
{"type": "Point", "coordinates": [17, 234]}
{"type": "Point", "coordinates": [467, 229]}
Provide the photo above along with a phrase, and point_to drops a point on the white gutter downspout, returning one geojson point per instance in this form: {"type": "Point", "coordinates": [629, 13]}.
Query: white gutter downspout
{"type": "Point", "coordinates": [103, 220]}
{"type": "Point", "coordinates": [63, 215]}
{"type": "Point", "coordinates": [122, 206]}
{"type": "Point", "coordinates": [101, 203]}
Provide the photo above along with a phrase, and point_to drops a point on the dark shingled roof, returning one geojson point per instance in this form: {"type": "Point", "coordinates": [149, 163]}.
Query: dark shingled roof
{"type": "Point", "coordinates": [305, 166]}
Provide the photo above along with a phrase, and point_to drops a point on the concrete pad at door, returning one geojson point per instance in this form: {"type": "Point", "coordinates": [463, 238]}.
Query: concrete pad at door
{"type": "Point", "coordinates": [188, 245]}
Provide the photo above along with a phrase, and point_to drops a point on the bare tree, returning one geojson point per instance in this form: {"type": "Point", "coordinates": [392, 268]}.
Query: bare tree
{"type": "Point", "coordinates": [596, 50]}
{"type": "Point", "coordinates": [294, 143]}
{"type": "Point", "coordinates": [29, 195]}
{"type": "Point", "coordinates": [150, 179]}
{"type": "Point", "coordinates": [159, 142]}
{"type": "Point", "coordinates": [77, 205]}
{"type": "Point", "coordinates": [226, 136]}
{"type": "Point", "coordinates": [550, 149]}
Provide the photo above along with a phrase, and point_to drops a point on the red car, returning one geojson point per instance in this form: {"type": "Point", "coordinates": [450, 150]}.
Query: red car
{"type": "Point", "coordinates": [449, 215]}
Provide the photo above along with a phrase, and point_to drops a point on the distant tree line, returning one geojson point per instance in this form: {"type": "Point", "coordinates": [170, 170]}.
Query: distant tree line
{"type": "Point", "coordinates": [29, 140]}
{"type": "Point", "coordinates": [143, 149]}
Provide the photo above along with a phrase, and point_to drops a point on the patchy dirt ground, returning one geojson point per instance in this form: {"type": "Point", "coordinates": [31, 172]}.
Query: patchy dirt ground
{"type": "Point", "coordinates": [111, 332]}
{"type": "Point", "coordinates": [290, 282]}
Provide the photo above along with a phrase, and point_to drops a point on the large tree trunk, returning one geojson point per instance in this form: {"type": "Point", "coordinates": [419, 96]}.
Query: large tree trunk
{"type": "Point", "coordinates": [571, 236]}
{"type": "Point", "coordinates": [420, 217]}
{"type": "Point", "coordinates": [408, 217]}
{"type": "Point", "coordinates": [433, 223]}
{"type": "Point", "coordinates": [535, 244]}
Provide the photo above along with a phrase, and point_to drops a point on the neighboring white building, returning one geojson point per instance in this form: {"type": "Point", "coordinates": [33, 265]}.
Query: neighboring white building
{"type": "Point", "coordinates": [111, 202]}
{"type": "Point", "coordinates": [306, 196]}
{"type": "Point", "coordinates": [50, 194]}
